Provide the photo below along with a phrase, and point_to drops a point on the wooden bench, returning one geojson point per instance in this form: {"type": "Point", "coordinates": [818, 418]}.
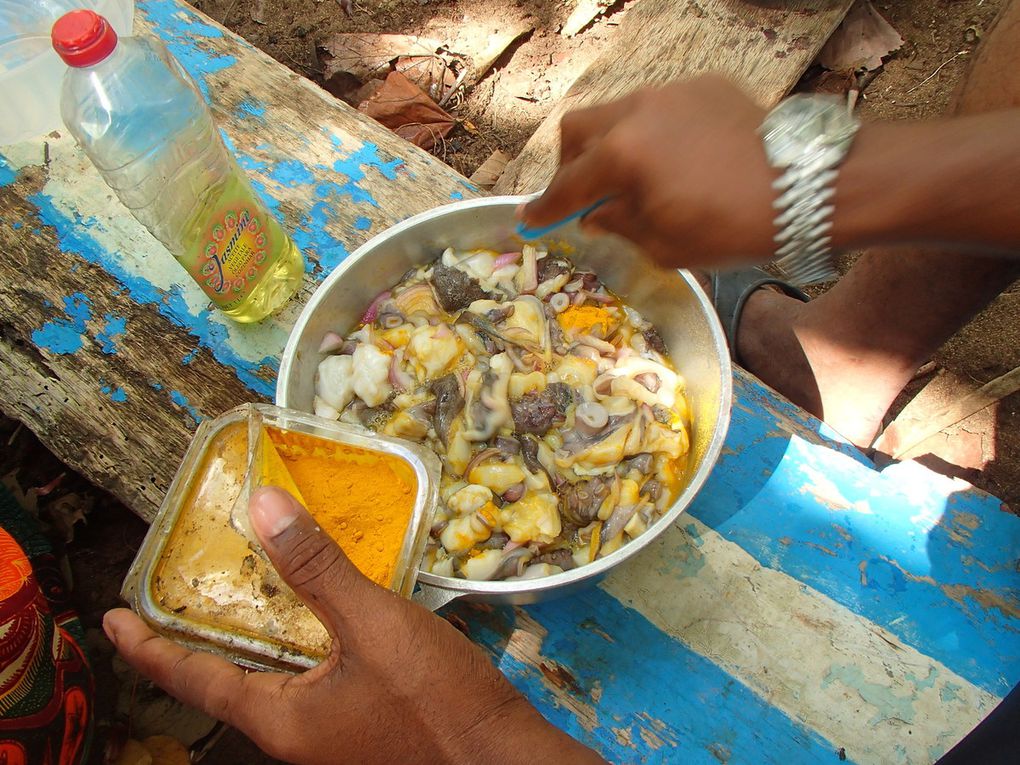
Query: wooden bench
{"type": "Point", "coordinates": [808, 603]}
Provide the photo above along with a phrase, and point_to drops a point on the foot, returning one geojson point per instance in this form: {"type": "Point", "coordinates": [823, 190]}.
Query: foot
{"type": "Point", "coordinates": [787, 345]}
{"type": "Point", "coordinates": [782, 342]}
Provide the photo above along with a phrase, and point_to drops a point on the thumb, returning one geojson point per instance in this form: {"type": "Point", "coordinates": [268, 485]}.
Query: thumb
{"type": "Point", "coordinates": [308, 559]}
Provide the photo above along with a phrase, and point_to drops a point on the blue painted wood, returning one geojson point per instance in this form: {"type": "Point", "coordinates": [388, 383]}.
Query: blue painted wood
{"type": "Point", "coordinates": [651, 698]}
{"type": "Point", "coordinates": [931, 561]}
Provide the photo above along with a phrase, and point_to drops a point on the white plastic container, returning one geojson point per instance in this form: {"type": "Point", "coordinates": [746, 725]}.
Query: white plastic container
{"type": "Point", "coordinates": [30, 70]}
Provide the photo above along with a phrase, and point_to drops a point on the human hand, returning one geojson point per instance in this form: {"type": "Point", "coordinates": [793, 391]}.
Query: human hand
{"type": "Point", "coordinates": [400, 684]}
{"type": "Point", "coordinates": [683, 167]}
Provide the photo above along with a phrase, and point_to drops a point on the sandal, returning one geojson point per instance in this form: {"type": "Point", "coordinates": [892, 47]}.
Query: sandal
{"type": "Point", "coordinates": [730, 291]}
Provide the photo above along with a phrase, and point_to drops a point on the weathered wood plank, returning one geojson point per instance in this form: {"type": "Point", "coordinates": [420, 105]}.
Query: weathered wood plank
{"type": "Point", "coordinates": [764, 47]}
{"type": "Point", "coordinates": [108, 352]}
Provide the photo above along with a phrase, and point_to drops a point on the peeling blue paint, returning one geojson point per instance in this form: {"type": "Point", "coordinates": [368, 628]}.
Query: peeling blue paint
{"type": "Point", "coordinates": [312, 235]}
{"type": "Point", "coordinates": [74, 238]}
{"type": "Point", "coordinates": [118, 395]}
{"type": "Point", "coordinates": [887, 704]}
{"type": "Point", "coordinates": [458, 195]}
{"type": "Point", "coordinates": [887, 545]}
{"type": "Point", "coordinates": [182, 401]}
{"type": "Point", "coordinates": [661, 687]}
{"type": "Point", "coordinates": [182, 31]}
{"type": "Point", "coordinates": [189, 357]}
{"type": "Point", "coordinates": [291, 172]}
{"type": "Point", "coordinates": [248, 162]}
{"type": "Point", "coordinates": [362, 224]}
{"type": "Point", "coordinates": [17, 225]}
{"type": "Point", "coordinates": [66, 335]}
{"type": "Point", "coordinates": [251, 107]}
{"type": "Point", "coordinates": [7, 175]}
{"type": "Point", "coordinates": [115, 327]}
{"type": "Point", "coordinates": [367, 156]}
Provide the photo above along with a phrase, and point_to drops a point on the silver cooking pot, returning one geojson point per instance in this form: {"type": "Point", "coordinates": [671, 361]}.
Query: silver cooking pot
{"type": "Point", "coordinates": [671, 300]}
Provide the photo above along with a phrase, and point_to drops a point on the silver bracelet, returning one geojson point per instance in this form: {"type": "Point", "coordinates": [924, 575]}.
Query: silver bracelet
{"type": "Point", "coordinates": [807, 137]}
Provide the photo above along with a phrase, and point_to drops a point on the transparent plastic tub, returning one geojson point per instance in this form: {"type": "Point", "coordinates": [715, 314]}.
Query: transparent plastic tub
{"type": "Point", "coordinates": [30, 70]}
{"type": "Point", "coordinates": [200, 576]}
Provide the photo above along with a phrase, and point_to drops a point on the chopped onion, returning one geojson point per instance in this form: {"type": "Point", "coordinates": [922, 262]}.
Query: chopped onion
{"type": "Point", "coordinates": [505, 260]}
{"type": "Point", "coordinates": [398, 378]}
{"type": "Point", "coordinates": [373, 308]}
{"type": "Point", "coordinates": [479, 458]}
{"type": "Point", "coordinates": [331, 343]}
{"type": "Point", "coordinates": [559, 302]}
{"type": "Point", "coordinates": [514, 493]}
{"type": "Point", "coordinates": [599, 297]}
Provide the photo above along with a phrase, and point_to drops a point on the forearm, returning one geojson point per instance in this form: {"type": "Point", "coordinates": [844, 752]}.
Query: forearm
{"type": "Point", "coordinates": [517, 734]}
{"type": "Point", "coordinates": [944, 183]}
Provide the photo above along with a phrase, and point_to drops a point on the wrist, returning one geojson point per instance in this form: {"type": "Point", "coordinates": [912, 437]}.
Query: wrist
{"type": "Point", "coordinates": [940, 182]}
{"type": "Point", "coordinates": [496, 738]}
{"type": "Point", "coordinates": [881, 186]}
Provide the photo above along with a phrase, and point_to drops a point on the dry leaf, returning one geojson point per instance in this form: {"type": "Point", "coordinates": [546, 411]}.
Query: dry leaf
{"type": "Point", "coordinates": [861, 41]}
{"type": "Point", "coordinates": [133, 753]}
{"type": "Point", "coordinates": [166, 750]}
{"type": "Point", "coordinates": [366, 91]}
{"type": "Point", "coordinates": [408, 111]}
{"type": "Point", "coordinates": [488, 172]}
{"type": "Point", "coordinates": [367, 56]}
{"type": "Point", "coordinates": [430, 73]}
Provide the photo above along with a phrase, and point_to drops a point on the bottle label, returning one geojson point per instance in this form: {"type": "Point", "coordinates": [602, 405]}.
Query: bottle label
{"type": "Point", "coordinates": [234, 250]}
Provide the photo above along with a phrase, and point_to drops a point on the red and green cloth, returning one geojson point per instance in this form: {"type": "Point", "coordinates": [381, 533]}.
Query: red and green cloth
{"type": "Point", "coordinates": [46, 686]}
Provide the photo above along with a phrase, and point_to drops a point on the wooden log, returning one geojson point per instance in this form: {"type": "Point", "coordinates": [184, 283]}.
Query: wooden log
{"type": "Point", "coordinates": [763, 47]}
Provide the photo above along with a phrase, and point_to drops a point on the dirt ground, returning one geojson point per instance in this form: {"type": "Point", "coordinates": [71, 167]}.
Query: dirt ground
{"type": "Point", "coordinates": [505, 108]}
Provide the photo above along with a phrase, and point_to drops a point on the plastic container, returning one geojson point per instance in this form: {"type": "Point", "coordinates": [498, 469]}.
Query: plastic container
{"type": "Point", "coordinates": [145, 126]}
{"type": "Point", "coordinates": [30, 70]}
{"type": "Point", "coordinates": [201, 578]}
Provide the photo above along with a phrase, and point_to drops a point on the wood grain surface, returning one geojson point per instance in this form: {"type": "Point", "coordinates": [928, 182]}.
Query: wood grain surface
{"type": "Point", "coordinates": [108, 352]}
{"type": "Point", "coordinates": [763, 46]}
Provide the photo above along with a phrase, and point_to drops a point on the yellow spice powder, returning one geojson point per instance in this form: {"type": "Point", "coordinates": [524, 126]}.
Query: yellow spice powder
{"type": "Point", "coordinates": [580, 319]}
{"type": "Point", "coordinates": [362, 499]}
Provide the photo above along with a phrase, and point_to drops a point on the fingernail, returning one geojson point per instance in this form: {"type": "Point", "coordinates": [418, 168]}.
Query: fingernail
{"type": "Point", "coordinates": [272, 511]}
{"type": "Point", "coordinates": [519, 210]}
{"type": "Point", "coordinates": [110, 626]}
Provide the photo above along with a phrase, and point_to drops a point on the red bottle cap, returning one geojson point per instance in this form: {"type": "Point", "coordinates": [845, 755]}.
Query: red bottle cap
{"type": "Point", "coordinates": [83, 38]}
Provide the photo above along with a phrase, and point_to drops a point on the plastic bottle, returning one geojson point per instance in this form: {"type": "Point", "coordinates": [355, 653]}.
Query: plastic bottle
{"type": "Point", "coordinates": [145, 126]}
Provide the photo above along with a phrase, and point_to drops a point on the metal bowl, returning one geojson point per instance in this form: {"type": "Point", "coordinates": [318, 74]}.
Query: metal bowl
{"type": "Point", "coordinates": [671, 300]}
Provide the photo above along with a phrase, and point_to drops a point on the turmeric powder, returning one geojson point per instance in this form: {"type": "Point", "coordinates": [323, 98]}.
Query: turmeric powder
{"type": "Point", "coordinates": [581, 319]}
{"type": "Point", "coordinates": [362, 499]}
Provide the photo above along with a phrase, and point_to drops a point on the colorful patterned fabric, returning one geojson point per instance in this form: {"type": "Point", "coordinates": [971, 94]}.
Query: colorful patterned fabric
{"type": "Point", "coordinates": [46, 690]}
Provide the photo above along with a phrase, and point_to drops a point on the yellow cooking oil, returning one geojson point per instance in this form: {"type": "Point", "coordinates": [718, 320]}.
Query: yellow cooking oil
{"type": "Point", "coordinates": [238, 253]}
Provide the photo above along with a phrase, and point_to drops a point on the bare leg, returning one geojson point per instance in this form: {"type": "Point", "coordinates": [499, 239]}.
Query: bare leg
{"type": "Point", "coordinates": [846, 355]}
